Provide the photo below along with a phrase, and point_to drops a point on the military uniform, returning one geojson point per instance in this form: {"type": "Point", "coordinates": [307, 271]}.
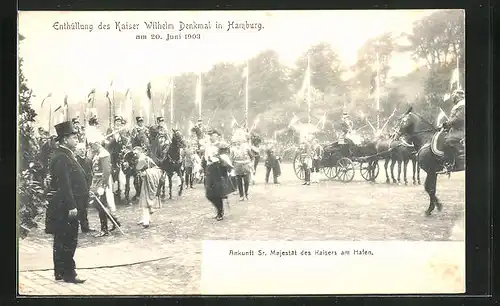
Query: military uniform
{"type": "Point", "coordinates": [116, 145]}
{"type": "Point", "coordinates": [346, 126]}
{"type": "Point", "coordinates": [101, 164]}
{"type": "Point", "coordinates": [316, 160]}
{"type": "Point", "coordinates": [140, 135]}
{"type": "Point", "coordinates": [272, 163]}
{"type": "Point", "coordinates": [307, 163]}
{"type": "Point", "coordinates": [70, 190]}
{"type": "Point", "coordinates": [456, 128]}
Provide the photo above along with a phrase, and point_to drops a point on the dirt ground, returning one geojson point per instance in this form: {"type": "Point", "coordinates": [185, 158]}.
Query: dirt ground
{"type": "Point", "coordinates": [330, 210]}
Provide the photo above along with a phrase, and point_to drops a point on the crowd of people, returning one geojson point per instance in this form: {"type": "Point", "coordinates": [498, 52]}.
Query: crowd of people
{"type": "Point", "coordinates": [81, 165]}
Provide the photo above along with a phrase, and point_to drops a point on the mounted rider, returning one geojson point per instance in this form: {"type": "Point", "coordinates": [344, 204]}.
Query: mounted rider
{"type": "Point", "coordinates": [116, 143]}
{"type": "Point", "coordinates": [456, 129]}
{"type": "Point", "coordinates": [346, 128]}
{"type": "Point", "coordinates": [140, 134]}
{"type": "Point", "coordinates": [162, 130]}
{"type": "Point", "coordinates": [200, 133]}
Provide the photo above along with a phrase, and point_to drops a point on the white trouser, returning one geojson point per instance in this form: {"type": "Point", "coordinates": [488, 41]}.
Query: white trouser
{"type": "Point", "coordinates": [146, 216]}
{"type": "Point", "coordinates": [110, 197]}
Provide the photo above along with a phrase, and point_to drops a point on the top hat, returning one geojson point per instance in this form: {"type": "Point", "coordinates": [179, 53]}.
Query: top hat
{"type": "Point", "coordinates": [64, 129]}
{"type": "Point", "coordinates": [75, 120]}
{"type": "Point", "coordinates": [139, 119]}
{"type": "Point", "coordinates": [159, 119]}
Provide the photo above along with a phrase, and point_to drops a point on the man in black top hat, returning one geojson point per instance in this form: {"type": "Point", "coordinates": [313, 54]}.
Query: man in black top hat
{"type": "Point", "coordinates": [70, 190]}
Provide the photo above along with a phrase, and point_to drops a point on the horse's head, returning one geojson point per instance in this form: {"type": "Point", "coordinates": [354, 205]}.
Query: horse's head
{"type": "Point", "coordinates": [412, 124]}
{"type": "Point", "coordinates": [130, 159]}
{"type": "Point", "coordinates": [177, 139]}
{"type": "Point", "coordinates": [197, 131]}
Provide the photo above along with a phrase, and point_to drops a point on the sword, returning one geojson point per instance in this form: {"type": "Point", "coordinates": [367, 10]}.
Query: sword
{"type": "Point", "coordinates": [107, 212]}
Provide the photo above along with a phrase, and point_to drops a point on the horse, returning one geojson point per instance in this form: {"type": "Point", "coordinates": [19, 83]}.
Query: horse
{"type": "Point", "coordinates": [365, 148]}
{"type": "Point", "coordinates": [172, 162]}
{"type": "Point", "coordinates": [129, 171]}
{"type": "Point", "coordinates": [391, 149]}
{"type": "Point", "coordinates": [140, 139]}
{"type": "Point", "coordinates": [428, 141]}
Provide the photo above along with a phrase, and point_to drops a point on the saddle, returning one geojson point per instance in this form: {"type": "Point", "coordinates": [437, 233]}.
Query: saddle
{"type": "Point", "coordinates": [437, 143]}
{"type": "Point", "coordinates": [406, 144]}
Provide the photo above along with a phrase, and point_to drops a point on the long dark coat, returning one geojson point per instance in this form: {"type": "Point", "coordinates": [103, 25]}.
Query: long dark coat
{"type": "Point", "coordinates": [69, 189]}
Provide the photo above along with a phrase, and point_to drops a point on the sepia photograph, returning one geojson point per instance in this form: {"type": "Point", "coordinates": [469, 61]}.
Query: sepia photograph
{"type": "Point", "coordinates": [241, 152]}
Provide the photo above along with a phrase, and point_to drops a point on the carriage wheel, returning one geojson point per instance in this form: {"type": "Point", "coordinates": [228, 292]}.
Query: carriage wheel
{"type": "Point", "coordinates": [297, 167]}
{"type": "Point", "coordinates": [330, 172]}
{"type": "Point", "coordinates": [345, 170]}
{"type": "Point", "coordinates": [365, 167]}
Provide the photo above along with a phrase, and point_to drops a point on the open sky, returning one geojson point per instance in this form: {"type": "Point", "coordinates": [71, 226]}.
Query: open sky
{"type": "Point", "coordinates": [72, 62]}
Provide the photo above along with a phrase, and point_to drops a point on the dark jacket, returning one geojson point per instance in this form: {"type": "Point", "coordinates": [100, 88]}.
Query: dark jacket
{"type": "Point", "coordinates": [69, 186]}
{"type": "Point", "coordinates": [86, 164]}
{"type": "Point", "coordinates": [271, 160]}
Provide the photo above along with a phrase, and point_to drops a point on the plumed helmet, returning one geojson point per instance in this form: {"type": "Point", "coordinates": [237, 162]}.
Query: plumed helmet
{"type": "Point", "coordinates": [457, 95]}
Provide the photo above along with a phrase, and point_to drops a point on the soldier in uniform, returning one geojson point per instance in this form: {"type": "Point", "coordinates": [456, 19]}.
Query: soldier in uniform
{"type": "Point", "coordinates": [115, 145]}
{"type": "Point", "coordinates": [317, 156]}
{"type": "Point", "coordinates": [162, 131]}
{"type": "Point", "coordinates": [346, 126]}
{"type": "Point", "coordinates": [456, 130]}
{"type": "Point", "coordinates": [70, 190]}
{"type": "Point", "coordinates": [199, 132]}
{"type": "Point", "coordinates": [307, 163]}
{"type": "Point", "coordinates": [102, 170]}
{"type": "Point", "coordinates": [140, 135]}
{"type": "Point", "coordinates": [80, 130]}
{"type": "Point", "coordinates": [160, 124]}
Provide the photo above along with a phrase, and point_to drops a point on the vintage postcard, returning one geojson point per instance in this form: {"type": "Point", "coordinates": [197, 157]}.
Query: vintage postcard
{"type": "Point", "coordinates": [241, 152]}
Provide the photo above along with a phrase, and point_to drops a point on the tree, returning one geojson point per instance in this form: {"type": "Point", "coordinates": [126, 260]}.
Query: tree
{"type": "Point", "coordinates": [27, 143]}
{"type": "Point", "coordinates": [365, 68]}
{"type": "Point", "coordinates": [439, 38]}
{"type": "Point", "coordinates": [31, 199]}
{"type": "Point", "coordinates": [268, 82]}
{"type": "Point", "coordinates": [325, 67]}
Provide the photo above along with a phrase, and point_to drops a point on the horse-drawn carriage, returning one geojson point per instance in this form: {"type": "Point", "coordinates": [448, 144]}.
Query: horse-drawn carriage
{"type": "Point", "coordinates": [340, 159]}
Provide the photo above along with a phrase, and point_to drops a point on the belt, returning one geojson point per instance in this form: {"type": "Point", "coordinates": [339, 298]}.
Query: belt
{"type": "Point", "coordinates": [242, 161]}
